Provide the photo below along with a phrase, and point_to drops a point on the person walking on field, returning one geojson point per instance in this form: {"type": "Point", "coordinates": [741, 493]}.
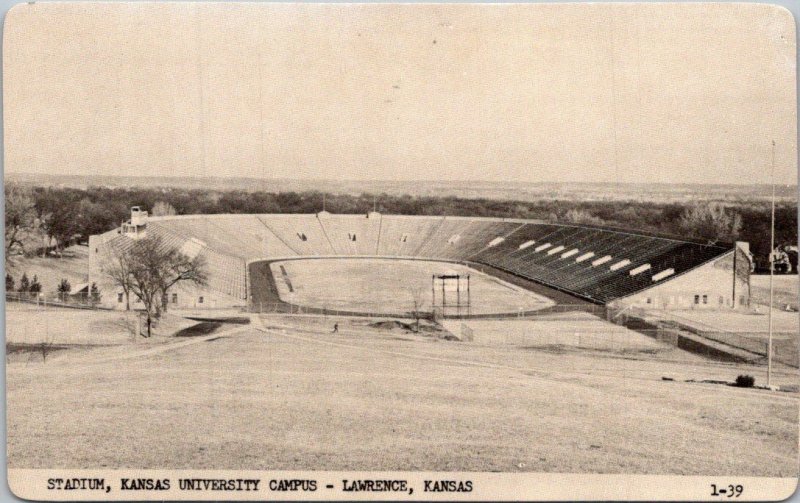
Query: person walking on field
{"type": "Point", "coordinates": [335, 328]}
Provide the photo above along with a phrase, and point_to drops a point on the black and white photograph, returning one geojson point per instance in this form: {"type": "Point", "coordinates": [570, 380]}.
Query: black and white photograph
{"type": "Point", "coordinates": [398, 251]}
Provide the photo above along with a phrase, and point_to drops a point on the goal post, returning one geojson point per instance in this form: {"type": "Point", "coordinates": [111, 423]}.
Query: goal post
{"type": "Point", "coordinates": [450, 294]}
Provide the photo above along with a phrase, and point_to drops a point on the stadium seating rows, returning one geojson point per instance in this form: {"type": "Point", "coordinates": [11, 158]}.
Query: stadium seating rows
{"type": "Point", "coordinates": [591, 263]}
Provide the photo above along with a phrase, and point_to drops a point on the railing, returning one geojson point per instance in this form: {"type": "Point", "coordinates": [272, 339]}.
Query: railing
{"type": "Point", "coordinates": [82, 300]}
{"type": "Point", "coordinates": [449, 312]}
{"type": "Point", "coordinates": [699, 337]}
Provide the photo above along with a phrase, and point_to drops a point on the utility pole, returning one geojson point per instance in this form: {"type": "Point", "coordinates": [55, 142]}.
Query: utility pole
{"type": "Point", "coordinates": [771, 271]}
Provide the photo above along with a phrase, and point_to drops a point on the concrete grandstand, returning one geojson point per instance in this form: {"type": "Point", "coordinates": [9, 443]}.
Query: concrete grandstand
{"type": "Point", "coordinates": [606, 267]}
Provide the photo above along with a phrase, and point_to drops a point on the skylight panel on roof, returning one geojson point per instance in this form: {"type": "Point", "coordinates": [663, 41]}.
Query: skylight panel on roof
{"type": "Point", "coordinates": [638, 270]}
{"type": "Point", "coordinates": [526, 244]}
{"type": "Point", "coordinates": [542, 247]}
{"type": "Point", "coordinates": [569, 253]}
{"type": "Point", "coordinates": [585, 256]}
{"type": "Point", "coordinates": [620, 264]}
{"type": "Point", "coordinates": [496, 241]}
{"type": "Point", "coordinates": [663, 274]}
{"type": "Point", "coordinates": [601, 260]}
{"type": "Point", "coordinates": [555, 250]}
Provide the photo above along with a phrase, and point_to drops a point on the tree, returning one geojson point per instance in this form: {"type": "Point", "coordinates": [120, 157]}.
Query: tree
{"type": "Point", "coordinates": [710, 221]}
{"type": "Point", "coordinates": [64, 288]}
{"type": "Point", "coordinates": [582, 217]}
{"type": "Point", "coordinates": [24, 284]}
{"type": "Point", "coordinates": [20, 217]}
{"type": "Point", "coordinates": [9, 283]}
{"type": "Point", "coordinates": [117, 267]}
{"type": "Point", "coordinates": [163, 209]}
{"type": "Point", "coordinates": [59, 214]}
{"type": "Point", "coordinates": [94, 294]}
{"type": "Point", "coordinates": [93, 218]}
{"type": "Point", "coordinates": [35, 287]}
{"type": "Point", "coordinates": [418, 301]}
{"type": "Point", "coordinates": [154, 268]}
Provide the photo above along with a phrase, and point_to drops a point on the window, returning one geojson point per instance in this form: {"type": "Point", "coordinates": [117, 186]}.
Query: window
{"type": "Point", "coordinates": [696, 299]}
{"type": "Point", "coordinates": [649, 300]}
{"type": "Point", "coordinates": [119, 297]}
{"type": "Point", "coordinates": [200, 300]}
{"type": "Point", "coordinates": [174, 298]}
{"type": "Point", "coordinates": [705, 299]}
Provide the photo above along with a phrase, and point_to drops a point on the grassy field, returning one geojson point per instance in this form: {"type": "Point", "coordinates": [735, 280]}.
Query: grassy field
{"type": "Point", "coordinates": [288, 394]}
{"type": "Point", "coordinates": [73, 266]}
{"type": "Point", "coordinates": [553, 332]}
{"type": "Point", "coordinates": [785, 288]}
{"type": "Point", "coordinates": [747, 330]}
{"type": "Point", "coordinates": [391, 286]}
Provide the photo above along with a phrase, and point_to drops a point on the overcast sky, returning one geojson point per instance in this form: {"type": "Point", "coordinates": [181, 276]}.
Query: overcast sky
{"type": "Point", "coordinates": [571, 92]}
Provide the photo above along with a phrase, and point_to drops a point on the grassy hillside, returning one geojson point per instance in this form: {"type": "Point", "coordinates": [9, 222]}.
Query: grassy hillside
{"type": "Point", "coordinates": [74, 266]}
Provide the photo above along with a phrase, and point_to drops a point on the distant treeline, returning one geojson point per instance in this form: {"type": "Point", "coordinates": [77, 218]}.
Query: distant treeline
{"type": "Point", "coordinates": [66, 214]}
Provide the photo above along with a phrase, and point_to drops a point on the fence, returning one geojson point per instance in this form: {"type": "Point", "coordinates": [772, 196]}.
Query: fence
{"type": "Point", "coordinates": [82, 300]}
{"type": "Point", "coordinates": [553, 312]}
{"type": "Point", "coordinates": [284, 308]}
{"type": "Point", "coordinates": [734, 345]}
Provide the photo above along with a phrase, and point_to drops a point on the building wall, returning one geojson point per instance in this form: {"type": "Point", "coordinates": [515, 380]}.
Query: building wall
{"type": "Point", "coordinates": [181, 296]}
{"type": "Point", "coordinates": [723, 283]}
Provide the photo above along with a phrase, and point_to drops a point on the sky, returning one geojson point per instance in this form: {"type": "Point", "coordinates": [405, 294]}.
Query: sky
{"type": "Point", "coordinates": [646, 93]}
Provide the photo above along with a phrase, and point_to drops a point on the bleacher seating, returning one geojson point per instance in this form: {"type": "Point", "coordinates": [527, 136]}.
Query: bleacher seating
{"type": "Point", "coordinates": [594, 264]}
{"type": "Point", "coordinates": [446, 239]}
{"type": "Point", "coordinates": [352, 234]}
{"type": "Point", "coordinates": [401, 236]}
{"type": "Point", "coordinates": [302, 233]}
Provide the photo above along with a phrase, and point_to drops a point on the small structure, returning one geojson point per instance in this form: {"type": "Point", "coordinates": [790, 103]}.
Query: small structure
{"type": "Point", "coordinates": [136, 227]}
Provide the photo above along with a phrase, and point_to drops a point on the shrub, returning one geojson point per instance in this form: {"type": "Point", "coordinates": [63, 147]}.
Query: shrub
{"type": "Point", "coordinates": [64, 286]}
{"type": "Point", "coordinates": [94, 293]}
{"type": "Point", "coordinates": [24, 284]}
{"type": "Point", "coordinates": [745, 381]}
{"type": "Point", "coordinates": [36, 287]}
{"type": "Point", "coordinates": [63, 289]}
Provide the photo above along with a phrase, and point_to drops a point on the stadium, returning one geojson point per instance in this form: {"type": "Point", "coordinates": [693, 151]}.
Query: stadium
{"type": "Point", "coordinates": [249, 255]}
{"type": "Point", "coordinates": [392, 342]}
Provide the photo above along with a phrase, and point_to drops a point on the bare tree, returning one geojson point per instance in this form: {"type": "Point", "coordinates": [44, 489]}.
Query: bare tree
{"type": "Point", "coordinates": [582, 217]}
{"type": "Point", "coordinates": [155, 268]}
{"type": "Point", "coordinates": [46, 346]}
{"type": "Point", "coordinates": [117, 267]}
{"type": "Point", "coordinates": [163, 209]}
{"type": "Point", "coordinates": [710, 221]}
{"type": "Point", "coordinates": [20, 217]}
{"type": "Point", "coordinates": [418, 301]}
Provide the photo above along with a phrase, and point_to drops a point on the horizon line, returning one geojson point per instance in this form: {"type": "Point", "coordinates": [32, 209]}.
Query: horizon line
{"type": "Point", "coordinates": [384, 180]}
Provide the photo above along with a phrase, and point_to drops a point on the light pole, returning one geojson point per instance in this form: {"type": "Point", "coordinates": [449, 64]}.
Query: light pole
{"type": "Point", "coordinates": [771, 271]}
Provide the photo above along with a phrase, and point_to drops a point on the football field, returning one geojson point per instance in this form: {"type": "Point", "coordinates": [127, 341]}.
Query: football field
{"type": "Point", "coordinates": [392, 286]}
